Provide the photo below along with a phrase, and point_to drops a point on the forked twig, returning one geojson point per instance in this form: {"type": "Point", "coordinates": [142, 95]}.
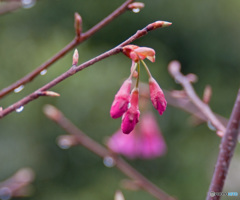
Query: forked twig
{"type": "Point", "coordinates": [79, 38]}
{"type": "Point", "coordinates": [174, 69]}
{"type": "Point", "coordinates": [75, 69]}
{"type": "Point", "coordinates": [55, 115]}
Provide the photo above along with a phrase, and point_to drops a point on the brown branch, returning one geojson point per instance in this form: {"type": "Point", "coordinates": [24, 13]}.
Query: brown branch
{"type": "Point", "coordinates": [174, 70]}
{"type": "Point", "coordinates": [55, 115]}
{"type": "Point", "coordinates": [75, 69]}
{"type": "Point", "coordinates": [227, 147]}
{"type": "Point", "coordinates": [9, 7]}
{"type": "Point", "coordinates": [186, 105]}
{"type": "Point", "coordinates": [17, 185]}
{"type": "Point", "coordinates": [77, 40]}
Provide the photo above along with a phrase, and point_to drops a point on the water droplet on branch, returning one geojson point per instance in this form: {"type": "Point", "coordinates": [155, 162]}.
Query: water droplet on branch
{"type": "Point", "coordinates": [43, 72]}
{"type": "Point", "coordinates": [108, 161]}
{"type": "Point", "coordinates": [20, 109]}
{"type": "Point", "coordinates": [28, 3]}
{"type": "Point", "coordinates": [19, 89]}
{"type": "Point", "coordinates": [210, 126]}
{"type": "Point", "coordinates": [5, 193]}
{"type": "Point", "coordinates": [136, 10]}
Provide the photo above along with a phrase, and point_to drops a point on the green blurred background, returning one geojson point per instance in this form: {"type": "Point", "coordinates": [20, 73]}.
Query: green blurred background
{"type": "Point", "coordinates": [204, 37]}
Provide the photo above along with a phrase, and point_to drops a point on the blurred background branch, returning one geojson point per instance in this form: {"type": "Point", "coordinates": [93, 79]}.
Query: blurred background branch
{"type": "Point", "coordinates": [54, 114]}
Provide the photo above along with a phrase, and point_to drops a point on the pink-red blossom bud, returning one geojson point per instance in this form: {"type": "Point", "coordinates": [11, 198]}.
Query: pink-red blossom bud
{"type": "Point", "coordinates": [131, 117]}
{"type": "Point", "coordinates": [137, 53]}
{"type": "Point", "coordinates": [121, 100]}
{"type": "Point", "coordinates": [157, 97]}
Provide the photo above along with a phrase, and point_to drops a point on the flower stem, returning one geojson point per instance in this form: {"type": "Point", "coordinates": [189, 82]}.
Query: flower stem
{"type": "Point", "coordinates": [138, 69]}
{"type": "Point", "coordinates": [148, 71]}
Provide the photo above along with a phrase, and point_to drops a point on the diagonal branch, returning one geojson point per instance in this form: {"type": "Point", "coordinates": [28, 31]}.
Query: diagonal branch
{"type": "Point", "coordinates": [185, 104]}
{"type": "Point", "coordinates": [55, 115]}
{"type": "Point", "coordinates": [77, 40]}
{"type": "Point", "coordinates": [227, 147]}
{"type": "Point", "coordinates": [75, 69]}
{"type": "Point", "coordinates": [174, 69]}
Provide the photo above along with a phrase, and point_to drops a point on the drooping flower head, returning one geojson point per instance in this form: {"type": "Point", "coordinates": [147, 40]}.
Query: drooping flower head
{"type": "Point", "coordinates": [131, 117]}
{"type": "Point", "coordinates": [121, 100]}
{"type": "Point", "coordinates": [145, 141]}
{"type": "Point", "coordinates": [157, 97]}
{"type": "Point", "coordinates": [120, 104]}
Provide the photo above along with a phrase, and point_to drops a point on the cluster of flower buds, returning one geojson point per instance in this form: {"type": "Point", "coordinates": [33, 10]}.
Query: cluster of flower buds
{"type": "Point", "coordinates": [125, 103]}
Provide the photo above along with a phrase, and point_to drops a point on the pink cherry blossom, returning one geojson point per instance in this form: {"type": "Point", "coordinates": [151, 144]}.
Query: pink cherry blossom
{"type": "Point", "coordinates": [157, 97]}
{"type": "Point", "coordinates": [121, 100]}
{"type": "Point", "coordinates": [131, 117]}
{"type": "Point", "coordinates": [145, 141]}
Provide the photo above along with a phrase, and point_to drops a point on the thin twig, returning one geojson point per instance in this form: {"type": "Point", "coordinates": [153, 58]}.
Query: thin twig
{"type": "Point", "coordinates": [77, 40]}
{"type": "Point", "coordinates": [55, 115]}
{"type": "Point", "coordinates": [75, 69]}
{"type": "Point", "coordinates": [185, 104]}
{"type": "Point", "coordinates": [17, 185]}
{"type": "Point", "coordinates": [174, 69]}
{"type": "Point", "coordinates": [227, 147]}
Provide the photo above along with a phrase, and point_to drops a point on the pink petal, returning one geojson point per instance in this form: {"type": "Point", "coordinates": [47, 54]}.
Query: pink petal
{"type": "Point", "coordinates": [157, 97]}
{"type": "Point", "coordinates": [145, 52]}
{"type": "Point", "coordinates": [131, 117]}
{"type": "Point", "coordinates": [121, 100]}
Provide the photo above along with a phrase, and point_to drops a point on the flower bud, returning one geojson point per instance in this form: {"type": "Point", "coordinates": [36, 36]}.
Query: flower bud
{"type": "Point", "coordinates": [75, 57]}
{"type": "Point", "coordinates": [157, 97]}
{"type": "Point", "coordinates": [121, 100]}
{"type": "Point", "coordinates": [78, 24]}
{"type": "Point", "coordinates": [137, 53]}
{"type": "Point", "coordinates": [131, 117]}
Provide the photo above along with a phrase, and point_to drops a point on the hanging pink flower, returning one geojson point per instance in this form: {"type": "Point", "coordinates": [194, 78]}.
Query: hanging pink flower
{"type": "Point", "coordinates": [145, 141]}
{"type": "Point", "coordinates": [121, 100]}
{"type": "Point", "coordinates": [157, 97]}
{"type": "Point", "coordinates": [131, 117]}
{"type": "Point", "coordinates": [130, 111]}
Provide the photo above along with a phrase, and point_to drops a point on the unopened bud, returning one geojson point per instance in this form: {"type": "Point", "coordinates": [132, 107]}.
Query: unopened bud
{"type": "Point", "coordinates": [174, 67]}
{"type": "Point", "coordinates": [220, 133]}
{"type": "Point", "coordinates": [52, 112]}
{"type": "Point", "coordinates": [78, 24]}
{"type": "Point", "coordinates": [75, 57]}
{"type": "Point", "coordinates": [136, 6]}
{"type": "Point", "coordinates": [158, 24]}
{"type": "Point", "coordinates": [49, 93]}
{"type": "Point", "coordinates": [192, 78]}
{"type": "Point", "coordinates": [207, 94]}
{"type": "Point", "coordinates": [25, 175]}
{"type": "Point", "coordinates": [119, 195]}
